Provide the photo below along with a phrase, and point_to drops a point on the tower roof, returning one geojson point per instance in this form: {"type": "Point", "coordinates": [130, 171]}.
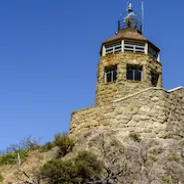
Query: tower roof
{"type": "Point", "coordinates": [128, 34]}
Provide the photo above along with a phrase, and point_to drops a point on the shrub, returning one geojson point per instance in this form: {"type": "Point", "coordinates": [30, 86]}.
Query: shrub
{"type": "Point", "coordinates": [175, 158]}
{"type": "Point", "coordinates": [1, 178]}
{"type": "Point", "coordinates": [13, 148]}
{"type": "Point", "coordinates": [154, 158]}
{"type": "Point", "coordinates": [88, 165]}
{"type": "Point", "coordinates": [46, 147]}
{"type": "Point", "coordinates": [11, 158]}
{"type": "Point", "coordinates": [167, 179]}
{"type": "Point", "coordinates": [64, 142]}
{"type": "Point", "coordinates": [58, 171]}
{"type": "Point", "coordinates": [77, 170]}
{"type": "Point", "coordinates": [182, 143]}
{"type": "Point", "coordinates": [29, 143]}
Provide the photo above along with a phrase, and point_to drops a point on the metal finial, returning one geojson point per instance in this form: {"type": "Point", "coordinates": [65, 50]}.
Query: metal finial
{"type": "Point", "coordinates": [130, 7]}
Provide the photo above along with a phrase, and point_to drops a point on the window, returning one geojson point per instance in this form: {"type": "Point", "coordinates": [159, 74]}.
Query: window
{"type": "Point", "coordinates": [110, 74]}
{"type": "Point", "coordinates": [152, 52]}
{"type": "Point", "coordinates": [134, 72]}
{"type": "Point", "coordinates": [113, 48]}
{"type": "Point", "coordinates": [154, 78]}
{"type": "Point", "coordinates": [134, 47]}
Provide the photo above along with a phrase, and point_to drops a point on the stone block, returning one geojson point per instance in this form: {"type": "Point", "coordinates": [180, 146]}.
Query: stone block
{"type": "Point", "coordinates": [144, 110]}
{"type": "Point", "coordinates": [140, 117]}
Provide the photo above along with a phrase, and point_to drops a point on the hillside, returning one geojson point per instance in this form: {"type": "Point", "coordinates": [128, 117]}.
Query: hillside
{"type": "Point", "coordinates": [148, 161]}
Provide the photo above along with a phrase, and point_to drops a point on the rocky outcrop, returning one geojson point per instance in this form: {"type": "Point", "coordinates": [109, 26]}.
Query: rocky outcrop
{"type": "Point", "coordinates": [141, 161]}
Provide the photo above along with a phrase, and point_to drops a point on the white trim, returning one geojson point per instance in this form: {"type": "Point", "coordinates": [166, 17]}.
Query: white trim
{"type": "Point", "coordinates": [134, 47]}
{"type": "Point", "coordinates": [171, 90]}
{"type": "Point", "coordinates": [103, 51]}
{"type": "Point", "coordinates": [105, 77]}
{"type": "Point", "coordinates": [147, 89]}
{"type": "Point", "coordinates": [146, 48]}
{"type": "Point", "coordinates": [113, 48]}
{"type": "Point", "coordinates": [158, 59]}
{"type": "Point", "coordinates": [122, 43]}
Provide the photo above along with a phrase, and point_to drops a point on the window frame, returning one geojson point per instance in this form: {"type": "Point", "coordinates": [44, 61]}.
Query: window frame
{"type": "Point", "coordinates": [112, 71]}
{"type": "Point", "coordinates": [153, 52]}
{"type": "Point", "coordinates": [135, 71]}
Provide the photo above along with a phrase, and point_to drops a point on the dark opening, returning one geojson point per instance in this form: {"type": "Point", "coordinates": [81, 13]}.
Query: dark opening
{"type": "Point", "coordinates": [110, 74]}
{"type": "Point", "coordinates": [154, 78]}
{"type": "Point", "coordinates": [134, 72]}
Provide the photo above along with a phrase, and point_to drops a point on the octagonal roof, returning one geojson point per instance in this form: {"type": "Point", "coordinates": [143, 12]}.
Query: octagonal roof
{"type": "Point", "coordinates": [128, 34]}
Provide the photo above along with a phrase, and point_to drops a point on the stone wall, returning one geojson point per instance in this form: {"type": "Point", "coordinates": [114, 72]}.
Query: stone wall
{"type": "Point", "coordinates": [106, 93]}
{"type": "Point", "coordinates": [151, 113]}
{"type": "Point", "coordinates": [174, 113]}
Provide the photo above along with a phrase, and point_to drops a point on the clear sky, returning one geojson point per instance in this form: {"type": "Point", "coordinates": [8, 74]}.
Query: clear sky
{"type": "Point", "coordinates": [49, 51]}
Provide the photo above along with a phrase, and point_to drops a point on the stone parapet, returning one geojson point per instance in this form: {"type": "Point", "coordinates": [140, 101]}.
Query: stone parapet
{"type": "Point", "coordinates": [151, 113]}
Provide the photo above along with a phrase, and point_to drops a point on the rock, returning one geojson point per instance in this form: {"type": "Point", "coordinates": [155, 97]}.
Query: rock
{"type": "Point", "coordinates": [52, 154]}
{"type": "Point", "coordinates": [144, 110]}
{"type": "Point", "coordinates": [155, 99]}
{"type": "Point", "coordinates": [140, 118]}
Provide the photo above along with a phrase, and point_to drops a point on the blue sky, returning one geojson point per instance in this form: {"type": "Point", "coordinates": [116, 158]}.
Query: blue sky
{"type": "Point", "coordinates": [49, 51]}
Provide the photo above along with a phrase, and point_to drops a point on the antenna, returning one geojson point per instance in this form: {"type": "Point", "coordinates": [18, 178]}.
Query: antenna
{"type": "Point", "coordinates": [142, 9]}
{"type": "Point", "coordinates": [127, 5]}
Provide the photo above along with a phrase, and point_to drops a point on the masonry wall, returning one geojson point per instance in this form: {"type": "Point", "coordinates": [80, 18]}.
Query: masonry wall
{"type": "Point", "coordinates": [151, 113]}
{"type": "Point", "coordinates": [106, 93]}
{"type": "Point", "coordinates": [174, 112]}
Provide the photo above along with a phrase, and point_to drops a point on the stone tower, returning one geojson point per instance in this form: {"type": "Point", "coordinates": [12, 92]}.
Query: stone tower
{"type": "Point", "coordinates": [129, 93]}
{"type": "Point", "coordinates": [129, 62]}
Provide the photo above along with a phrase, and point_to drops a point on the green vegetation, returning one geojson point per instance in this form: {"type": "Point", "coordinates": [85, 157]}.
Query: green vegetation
{"type": "Point", "coordinates": [175, 158]}
{"type": "Point", "coordinates": [182, 143]}
{"type": "Point", "coordinates": [1, 178]}
{"type": "Point", "coordinates": [11, 158]}
{"type": "Point", "coordinates": [46, 147]}
{"type": "Point", "coordinates": [70, 166]}
{"type": "Point", "coordinates": [27, 143]}
{"type": "Point", "coordinates": [153, 157]}
{"type": "Point", "coordinates": [61, 140]}
{"type": "Point", "coordinates": [64, 142]}
{"type": "Point", "coordinates": [79, 169]}
{"type": "Point", "coordinates": [167, 179]}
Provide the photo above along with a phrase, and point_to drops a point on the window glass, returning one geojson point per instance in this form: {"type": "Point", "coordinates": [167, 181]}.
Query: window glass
{"type": "Point", "coordinates": [110, 74]}
{"type": "Point", "coordinates": [134, 72]}
{"type": "Point", "coordinates": [152, 52]}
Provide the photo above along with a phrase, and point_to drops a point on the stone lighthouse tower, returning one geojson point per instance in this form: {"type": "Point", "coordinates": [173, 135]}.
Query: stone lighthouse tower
{"type": "Point", "coordinates": [129, 93]}
{"type": "Point", "coordinates": [129, 62]}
